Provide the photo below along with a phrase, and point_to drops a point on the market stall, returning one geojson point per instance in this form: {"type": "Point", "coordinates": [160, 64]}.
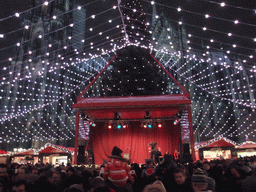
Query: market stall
{"type": "Point", "coordinates": [246, 149]}
{"type": "Point", "coordinates": [28, 156]}
{"type": "Point", "coordinates": [3, 156]}
{"type": "Point", "coordinates": [220, 148]}
{"type": "Point", "coordinates": [54, 155]}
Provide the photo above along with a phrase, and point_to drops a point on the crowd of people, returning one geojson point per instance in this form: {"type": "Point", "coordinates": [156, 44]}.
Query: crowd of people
{"type": "Point", "coordinates": [117, 175]}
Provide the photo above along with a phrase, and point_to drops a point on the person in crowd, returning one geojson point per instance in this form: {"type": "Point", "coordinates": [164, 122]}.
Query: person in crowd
{"type": "Point", "coordinates": [157, 186]}
{"type": "Point", "coordinates": [96, 183]}
{"type": "Point", "coordinates": [117, 171]}
{"type": "Point", "coordinates": [19, 186]}
{"type": "Point", "coordinates": [249, 184]}
{"type": "Point", "coordinates": [199, 182]}
{"type": "Point", "coordinates": [182, 182]}
{"type": "Point", "coordinates": [21, 174]}
{"type": "Point", "coordinates": [149, 169]}
{"type": "Point", "coordinates": [4, 177]}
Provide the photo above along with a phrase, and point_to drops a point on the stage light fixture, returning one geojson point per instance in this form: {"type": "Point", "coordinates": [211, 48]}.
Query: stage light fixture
{"type": "Point", "coordinates": [176, 121]}
{"type": "Point", "coordinates": [149, 125]}
{"type": "Point", "coordinates": [119, 126]}
{"type": "Point", "coordinates": [177, 118]}
{"type": "Point", "coordinates": [110, 126]}
{"type": "Point", "coordinates": [159, 125]}
{"type": "Point", "coordinates": [147, 115]}
{"type": "Point", "coordinates": [125, 126]}
{"type": "Point", "coordinates": [116, 116]}
{"type": "Point", "coordinates": [145, 126]}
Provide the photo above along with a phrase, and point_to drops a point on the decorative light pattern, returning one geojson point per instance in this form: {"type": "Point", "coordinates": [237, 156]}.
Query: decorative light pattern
{"type": "Point", "coordinates": [48, 75]}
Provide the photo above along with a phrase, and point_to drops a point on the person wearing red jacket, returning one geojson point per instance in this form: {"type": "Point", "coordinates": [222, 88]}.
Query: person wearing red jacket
{"type": "Point", "coordinates": [117, 170]}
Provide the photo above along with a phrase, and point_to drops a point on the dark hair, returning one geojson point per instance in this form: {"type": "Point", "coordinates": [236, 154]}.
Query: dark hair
{"type": "Point", "coordinates": [19, 182]}
{"type": "Point", "coordinates": [102, 189]}
{"type": "Point", "coordinates": [179, 170]}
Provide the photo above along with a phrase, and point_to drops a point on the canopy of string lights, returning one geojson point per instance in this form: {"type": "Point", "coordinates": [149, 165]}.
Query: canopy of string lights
{"type": "Point", "coordinates": [52, 50]}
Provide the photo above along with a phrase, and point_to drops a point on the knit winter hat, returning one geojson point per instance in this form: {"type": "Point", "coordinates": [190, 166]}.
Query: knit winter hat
{"type": "Point", "coordinates": [116, 151]}
{"type": "Point", "coordinates": [199, 177]}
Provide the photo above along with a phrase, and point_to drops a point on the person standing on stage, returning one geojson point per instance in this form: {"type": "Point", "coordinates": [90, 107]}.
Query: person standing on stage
{"type": "Point", "coordinates": [152, 149]}
{"type": "Point", "coordinates": [157, 155]}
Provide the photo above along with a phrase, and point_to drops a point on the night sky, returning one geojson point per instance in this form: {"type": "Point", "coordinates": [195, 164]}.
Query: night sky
{"type": "Point", "coordinates": [10, 7]}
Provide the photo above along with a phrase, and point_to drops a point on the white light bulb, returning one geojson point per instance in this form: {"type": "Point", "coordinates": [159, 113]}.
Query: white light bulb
{"type": "Point", "coordinates": [1, 35]}
{"type": "Point", "coordinates": [236, 21]}
{"type": "Point", "coordinates": [222, 4]}
{"type": "Point", "coordinates": [17, 14]}
{"type": "Point", "coordinates": [178, 9]}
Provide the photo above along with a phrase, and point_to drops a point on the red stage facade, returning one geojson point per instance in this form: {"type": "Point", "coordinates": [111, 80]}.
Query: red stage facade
{"type": "Point", "coordinates": [134, 139]}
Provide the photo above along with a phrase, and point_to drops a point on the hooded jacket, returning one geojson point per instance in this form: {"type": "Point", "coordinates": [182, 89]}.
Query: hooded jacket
{"type": "Point", "coordinates": [117, 171]}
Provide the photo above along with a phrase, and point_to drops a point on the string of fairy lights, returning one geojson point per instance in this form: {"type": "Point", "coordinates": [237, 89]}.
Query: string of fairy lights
{"type": "Point", "coordinates": [195, 79]}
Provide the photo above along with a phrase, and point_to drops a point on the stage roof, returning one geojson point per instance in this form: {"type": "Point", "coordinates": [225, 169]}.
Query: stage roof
{"type": "Point", "coordinates": [132, 107]}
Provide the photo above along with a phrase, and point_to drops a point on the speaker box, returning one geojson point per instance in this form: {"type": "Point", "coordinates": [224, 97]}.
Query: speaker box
{"type": "Point", "coordinates": [186, 148]}
{"type": "Point", "coordinates": [80, 159]}
{"type": "Point", "coordinates": [81, 150]}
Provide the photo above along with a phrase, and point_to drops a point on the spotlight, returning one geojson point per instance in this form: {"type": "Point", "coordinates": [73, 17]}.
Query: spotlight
{"type": "Point", "coordinates": [149, 125]}
{"type": "Point", "coordinates": [119, 126]}
{"type": "Point", "coordinates": [145, 126]}
{"type": "Point", "coordinates": [159, 125]}
{"type": "Point", "coordinates": [124, 126]}
{"type": "Point", "coordinates": [110, 126]}
{"type": "Point", "coordinates": [176, 121]}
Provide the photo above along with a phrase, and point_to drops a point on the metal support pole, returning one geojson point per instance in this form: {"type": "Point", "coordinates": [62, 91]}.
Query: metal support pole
{"type": "Point", "coordinates": [76, 136]}
{"type": "Point", "coordinates": [191, 134]}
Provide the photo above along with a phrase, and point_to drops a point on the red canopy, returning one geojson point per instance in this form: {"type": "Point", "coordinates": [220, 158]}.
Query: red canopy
{"type": "Point", "coordinates": [220, 143]}
{"type": "Point", "coordinates": [51, 150]}
{"type": "Point", "coordinates": [248, 145]}
{"type": "Point", "coordinates": [133, 107]}
{"type": "Point", "coordinates": [2, 152]}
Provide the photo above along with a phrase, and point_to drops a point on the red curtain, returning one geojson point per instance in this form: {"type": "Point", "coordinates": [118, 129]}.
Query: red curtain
{"type": "Point", "coordinates": [133, 140]}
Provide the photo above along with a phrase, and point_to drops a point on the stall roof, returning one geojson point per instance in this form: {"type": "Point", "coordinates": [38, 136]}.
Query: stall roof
{"type": "Point", "coordinates": [2, 152]}
{"type": "Point", "coordinates": [132, 107]}
{"type": "Point", "coordinates": [51, 150]}
{"type": "Point", "coordinates": [28, 152]}
{"type": "Point", "coordinates": [220, 143]}
{"type": "Point", "coordinates": [247, 145]}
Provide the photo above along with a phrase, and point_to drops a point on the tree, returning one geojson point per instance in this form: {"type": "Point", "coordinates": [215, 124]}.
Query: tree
{"type": "Point", "coordinates": [134, 72]}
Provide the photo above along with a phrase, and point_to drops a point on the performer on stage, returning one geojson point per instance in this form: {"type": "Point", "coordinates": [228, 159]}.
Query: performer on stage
{"type": "Point", "coordinates": [157, 155]}
{"type": "Point", "coordinates": [152, 148]}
